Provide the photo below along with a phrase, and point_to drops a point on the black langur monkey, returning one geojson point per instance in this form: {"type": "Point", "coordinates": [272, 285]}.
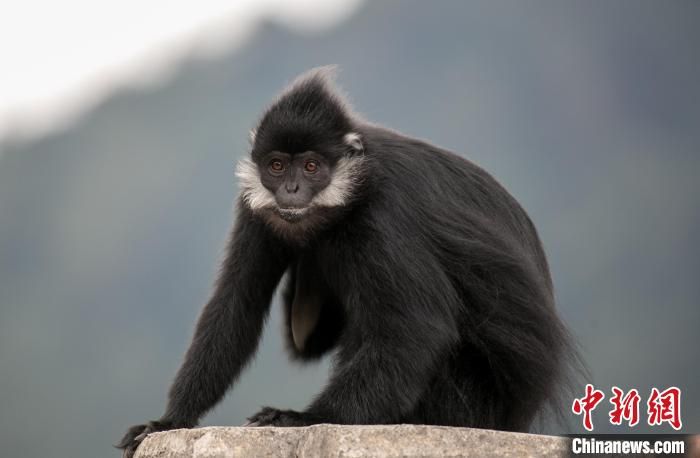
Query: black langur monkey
{"type": "Point", "coordinates": [413, 265]}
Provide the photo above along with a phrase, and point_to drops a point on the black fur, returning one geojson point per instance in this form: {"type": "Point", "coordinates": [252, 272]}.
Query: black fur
{"type": "Point", "coordinates": [437, 297]}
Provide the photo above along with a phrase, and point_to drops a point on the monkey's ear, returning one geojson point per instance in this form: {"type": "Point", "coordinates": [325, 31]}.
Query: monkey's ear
{"type": "Point", "coordinates": [353, 140]}
{"type": "Point", "coordinates": [251, 136]}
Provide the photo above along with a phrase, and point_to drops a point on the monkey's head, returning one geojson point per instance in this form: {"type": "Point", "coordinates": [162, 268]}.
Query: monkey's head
{"type": "Point", "coordinates": [306, 158]}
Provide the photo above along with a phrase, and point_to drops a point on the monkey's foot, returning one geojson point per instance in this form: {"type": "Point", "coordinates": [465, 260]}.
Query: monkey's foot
{"type": "Point", "coordinates": [136, 434]}
{"type": "Point", "coordinates": [269, 416]}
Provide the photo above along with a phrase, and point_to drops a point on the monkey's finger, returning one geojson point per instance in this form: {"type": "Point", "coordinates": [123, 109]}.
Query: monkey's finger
{"type": "Point", "coordinates": [140, 437]}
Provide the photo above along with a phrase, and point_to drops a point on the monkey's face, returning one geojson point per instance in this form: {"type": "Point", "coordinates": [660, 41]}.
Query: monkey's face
{"type": "Point", "coordinates": [301, 189]}
{"type": "Point", "coordinates": [299, 193]}
{"type": "Point", "coordinates": [294, 180]}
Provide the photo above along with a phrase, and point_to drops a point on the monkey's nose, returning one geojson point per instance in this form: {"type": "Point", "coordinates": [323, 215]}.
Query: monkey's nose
{"type": "Point", "coordinates": [291, 187]}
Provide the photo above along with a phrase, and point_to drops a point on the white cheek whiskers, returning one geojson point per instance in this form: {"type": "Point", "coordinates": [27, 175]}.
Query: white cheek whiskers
{"type": "Point", "coordinates": [346, 177]}
{"type": "Point", "coordinates": [254, 194]}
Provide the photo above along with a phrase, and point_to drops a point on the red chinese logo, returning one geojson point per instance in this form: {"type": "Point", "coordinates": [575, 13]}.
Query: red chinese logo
{"type": "Point", "coordinates": [662, 406]}
{"type": "Point", "coordinates": [665, 406]}
{"type": "Point", "coordinates": [586, 405]}
{"type": "Point", "coordinates": [624, 407]}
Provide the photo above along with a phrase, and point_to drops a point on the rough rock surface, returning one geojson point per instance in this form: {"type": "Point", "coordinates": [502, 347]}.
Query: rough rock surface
{"type": "Point", "coordinates": [348, 441]}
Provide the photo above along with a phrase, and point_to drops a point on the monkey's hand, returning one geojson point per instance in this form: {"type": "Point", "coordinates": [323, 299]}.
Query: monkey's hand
{"type": "Point", "coordinates": [136, 434]}
{"type": "Point", "coordinates": [270, 416]}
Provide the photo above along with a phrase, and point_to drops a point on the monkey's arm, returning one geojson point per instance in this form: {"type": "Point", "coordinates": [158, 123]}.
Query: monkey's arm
{"type": "Point", "coordinates": [228, 329]}
{"type": "Point", "coordinates": [401, 326]}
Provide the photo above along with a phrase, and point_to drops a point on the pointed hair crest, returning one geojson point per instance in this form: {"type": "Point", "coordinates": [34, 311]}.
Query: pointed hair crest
{"type": "Point", "coordinates": [308, 115]}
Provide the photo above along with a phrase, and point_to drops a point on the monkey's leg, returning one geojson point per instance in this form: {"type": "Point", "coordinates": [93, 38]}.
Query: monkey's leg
{"type": "Point", "coordinates": [466, 392]}
{"type": "Point", "coordinates": [459, 400]}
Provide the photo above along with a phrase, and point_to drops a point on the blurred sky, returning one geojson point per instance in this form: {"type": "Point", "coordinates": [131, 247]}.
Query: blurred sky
{"type": "Point", "coordinates": [59, 58]}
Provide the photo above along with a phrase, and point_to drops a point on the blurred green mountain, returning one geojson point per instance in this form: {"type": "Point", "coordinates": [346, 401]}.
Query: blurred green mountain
{"type": "Point", "coordinates": [110, 230]}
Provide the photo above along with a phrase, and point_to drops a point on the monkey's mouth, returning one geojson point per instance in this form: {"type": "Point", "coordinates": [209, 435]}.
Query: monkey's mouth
{"type": "Point", "coordinates": [292, 215]}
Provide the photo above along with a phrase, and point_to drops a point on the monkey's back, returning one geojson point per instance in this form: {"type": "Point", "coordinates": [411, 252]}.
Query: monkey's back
{"type": "Point", "coordinates": [465, 207]}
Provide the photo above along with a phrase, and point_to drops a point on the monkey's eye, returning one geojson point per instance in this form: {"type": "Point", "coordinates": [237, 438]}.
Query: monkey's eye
{"type": "Point", "coordinates": [276, 165]}
{"type": "Point", "coordinates": [311, 166]}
